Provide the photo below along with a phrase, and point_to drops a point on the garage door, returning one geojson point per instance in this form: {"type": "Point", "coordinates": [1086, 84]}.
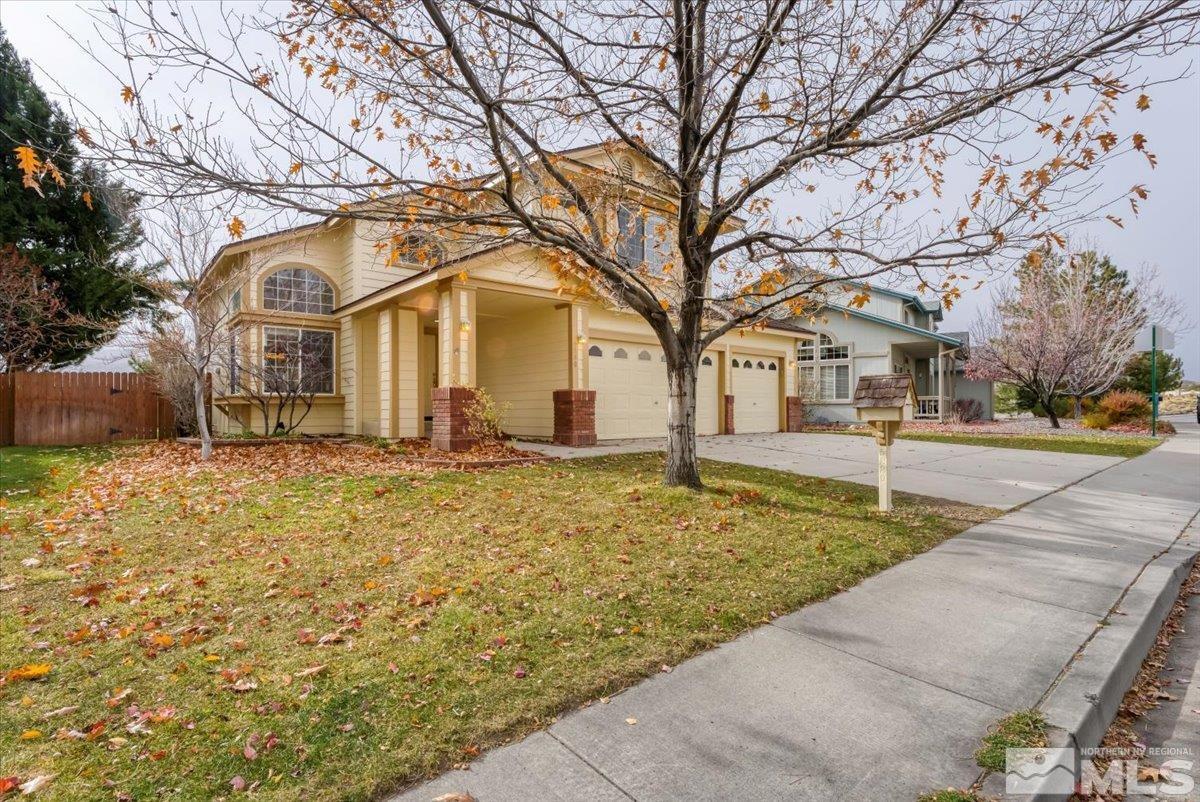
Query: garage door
{"type": "Point", "coordinates": [630, 380]}
{"type": "Point", "coordinates": [755, 393]}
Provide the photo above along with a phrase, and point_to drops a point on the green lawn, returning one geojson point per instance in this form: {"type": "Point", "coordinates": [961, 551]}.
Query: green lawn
{"type": "Point", "coordinates": [343, 634]}
{"type": "Point", "coordinates": [1130, 446]}
{"type": "Point", "coordinates": [34, 468]}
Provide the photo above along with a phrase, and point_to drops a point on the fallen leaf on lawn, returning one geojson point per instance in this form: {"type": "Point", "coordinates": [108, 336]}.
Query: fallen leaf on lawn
{"type": "Point", "coordinates": [35, 784]}
{"type": "Point", "coordinates": [346, 727]}
{"type": "Point", "coordinates": [306, 636]}
{"type": "Point", "coordinates": [162, 640]}
{"type": "Point", "coordinates": [631, 721]}
{"type": "Point", "coordinates": [330, 638]}
{"type": "Point", "coordinates": [519, 672]}
{"type": "Point", "coordinates": [308, 672]}
{"type": "Point", "coordinates": [31, 735]}
{"type": "Point", "coordinates": [243, 685]}
{"type": "Point", "coordinates": [8, 784]}
{"type": "Point", "coordinates": [28, 671]}
{"type": "Point", "coordinates": [62, 711]}
{"type": "Point", "coordinates": [237, 783]}
{"type": "Point", "coordinates": [249, 752]}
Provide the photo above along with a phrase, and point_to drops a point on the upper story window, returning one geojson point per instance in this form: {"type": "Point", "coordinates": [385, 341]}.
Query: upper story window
{"type": "Point", "coordinates": [831, 351]}
{"type": "Point", "coordinates": [418, 249]}
{"type": "Point", "coordinates": [642, 238]}
{"type": "Point", "coordinates": [807, 351]}
{"type": "Point", "coordinates": [295, 289]}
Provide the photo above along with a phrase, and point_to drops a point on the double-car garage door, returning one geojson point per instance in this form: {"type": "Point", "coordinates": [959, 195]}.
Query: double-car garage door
{"type": "Point", "coordinates": [630, 380]}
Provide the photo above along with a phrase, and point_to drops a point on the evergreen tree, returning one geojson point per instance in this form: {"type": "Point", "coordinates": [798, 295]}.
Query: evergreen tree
{"type": "Point", "coordinates": [81, 233]}
{"type": "Point", "coordinates": [1137, 373]}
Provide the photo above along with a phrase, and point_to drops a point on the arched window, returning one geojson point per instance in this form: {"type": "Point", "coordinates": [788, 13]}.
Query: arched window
{"type": "Point", "coordinates": [761, 365]}
{"type": "Point", "coordinates": [771, 366]}
{"type": "Point", "coordinates": [706, 360]}
{"type": "Point", "coordinates": [831, 351]}
{"type": "Point", "coordinates": [736, 364]}
{"type": "Point", "coordinates": [295, 289]}
{"type": "Point", "coordinates": [644, 356]}
{"type": "Point", "coordinates": [620, 354]}
{"type": "Point", "coordinates": [595, 351]}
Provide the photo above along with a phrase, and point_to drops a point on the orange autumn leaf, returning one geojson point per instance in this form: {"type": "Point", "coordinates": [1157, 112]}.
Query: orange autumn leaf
{"type": "Point", "coordinates": [87, 200]}
{"type": "Point", "coordinates": [237, 228]}
{"type": "Point", "coordinates": [28, 671]}
{"type": "Point", "coordinates": [127, 94]}
{"type": "Point", "coordinates": [1143, 102]}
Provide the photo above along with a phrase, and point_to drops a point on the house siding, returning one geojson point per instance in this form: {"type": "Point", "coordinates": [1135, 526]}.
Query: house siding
{"type": "Point", "coordinates": [522, 360]}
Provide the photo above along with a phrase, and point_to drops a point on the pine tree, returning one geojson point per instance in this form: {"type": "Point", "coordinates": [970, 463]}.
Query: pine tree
{"type": "Point", "coordinates": [82, 234]}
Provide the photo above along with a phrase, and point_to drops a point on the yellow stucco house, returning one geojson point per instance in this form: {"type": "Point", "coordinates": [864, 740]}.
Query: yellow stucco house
{"type": "Point", "coordinates": [397, 340]}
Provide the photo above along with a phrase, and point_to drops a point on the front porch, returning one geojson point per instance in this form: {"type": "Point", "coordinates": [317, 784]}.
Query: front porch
{"type": "Point", "coordinates": [419, 356]}
{"type": "Point", "coordinates": [931, 364]}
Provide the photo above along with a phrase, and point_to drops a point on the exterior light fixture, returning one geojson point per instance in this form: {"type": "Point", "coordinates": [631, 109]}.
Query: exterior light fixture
{"type": "Point", "coordinates": [465, 325]}
{"type": "Point", "coordinates": [581, 339]}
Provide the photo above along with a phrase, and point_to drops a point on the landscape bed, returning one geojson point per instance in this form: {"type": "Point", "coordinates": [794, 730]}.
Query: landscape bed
{"type": "Point", "coordinates": [321, 622]}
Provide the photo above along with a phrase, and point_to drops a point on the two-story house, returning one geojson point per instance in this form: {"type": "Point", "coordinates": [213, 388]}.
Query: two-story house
{"type": "Point", "coordinates": [385, 347]}
{"type": "Point", "coordinates": [893, 332]}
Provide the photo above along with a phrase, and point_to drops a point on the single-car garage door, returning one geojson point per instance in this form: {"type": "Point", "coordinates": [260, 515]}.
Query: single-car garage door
{"type": "Point", "coordinates": [755, 393]}
{"type": "Point", "coordinates": [630, 380]}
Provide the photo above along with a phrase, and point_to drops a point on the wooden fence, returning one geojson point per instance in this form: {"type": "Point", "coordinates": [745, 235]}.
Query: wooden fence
{"type": "Point", "coordinates": [62, 409]}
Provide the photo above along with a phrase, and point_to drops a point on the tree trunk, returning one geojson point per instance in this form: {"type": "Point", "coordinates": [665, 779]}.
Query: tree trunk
{"type": "Point", "coordinates": [1048, 405]}
{"type": "Point", "coordinates": [198, 387]}
{"type": "Point", "coordinates": [683, 469]}
{"type": "Point", "coordinates": [1078, 407]}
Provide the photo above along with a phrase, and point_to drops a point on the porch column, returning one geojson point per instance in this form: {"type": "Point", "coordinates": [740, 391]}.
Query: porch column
{"type": "Point", "coordinates": [575, 407]}
{"type": "Point", "coordinates": [406, 407]}
{"type": "Point", "coordinates": [725, 397]}
{"type": "Point", "coordinates": [941, 361]}
{"type": "Point", "coordinates": [387, 372]}
{"type": "Point", "coordinates": [456, 367]}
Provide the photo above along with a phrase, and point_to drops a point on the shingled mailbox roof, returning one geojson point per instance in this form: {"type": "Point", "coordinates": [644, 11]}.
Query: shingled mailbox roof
{"type": "Point", "coordinates": [887, 390]}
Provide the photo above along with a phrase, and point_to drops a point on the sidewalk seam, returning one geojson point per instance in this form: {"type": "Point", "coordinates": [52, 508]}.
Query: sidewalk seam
{"type": "Point", "coordinates": [549, 731]}
{"type": "Point", "coordinates": [895, 671]}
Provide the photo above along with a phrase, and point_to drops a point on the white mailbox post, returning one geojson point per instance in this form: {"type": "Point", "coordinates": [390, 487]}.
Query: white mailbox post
{"type": "Point", "coordinates": [881, 402]}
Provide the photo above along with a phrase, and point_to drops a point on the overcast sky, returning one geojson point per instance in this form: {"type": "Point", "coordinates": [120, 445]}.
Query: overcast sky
{"type": "Point", "coordinates": [1166, 235]}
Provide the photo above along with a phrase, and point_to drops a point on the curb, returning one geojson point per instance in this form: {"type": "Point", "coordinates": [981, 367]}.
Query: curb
{"type": "Point", "coordinates": [1080, 708]}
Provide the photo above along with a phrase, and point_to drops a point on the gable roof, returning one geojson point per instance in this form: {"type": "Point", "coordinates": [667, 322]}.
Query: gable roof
{"type": "Point", "coordinates": [895, 324]}
{"type": "Point", "coordinates": [930, 307]}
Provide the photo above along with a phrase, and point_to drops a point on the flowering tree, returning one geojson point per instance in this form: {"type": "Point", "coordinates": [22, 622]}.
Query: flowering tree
{"type": "Point", "coordinates": [458, 118]}
{"type": "Point", "coordinates": [1065, 329]}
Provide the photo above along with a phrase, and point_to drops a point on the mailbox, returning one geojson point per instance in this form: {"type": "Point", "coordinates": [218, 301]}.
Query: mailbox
{"type": "Point", "coordinates": [882, 402]}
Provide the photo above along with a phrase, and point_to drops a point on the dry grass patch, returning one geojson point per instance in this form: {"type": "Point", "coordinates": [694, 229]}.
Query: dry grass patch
{"type": "Point", "coordinates": [330, 624]}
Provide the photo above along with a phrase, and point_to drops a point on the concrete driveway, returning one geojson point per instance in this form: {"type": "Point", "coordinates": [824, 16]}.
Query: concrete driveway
{"type": "Point", "coordinates": [993, 477]}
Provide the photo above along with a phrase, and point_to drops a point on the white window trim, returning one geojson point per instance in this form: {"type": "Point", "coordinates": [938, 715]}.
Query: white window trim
{"type": "Point", "coordinates": [816, 363]}
{"type": "Point", "coordinates": [262, 351]}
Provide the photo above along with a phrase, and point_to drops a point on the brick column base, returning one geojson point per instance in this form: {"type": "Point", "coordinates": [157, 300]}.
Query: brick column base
{"type": "Point", "coordinates": [575, 417]}
{"type": "Point", "coordinates": [450, 432]}
{"type": "Point", "coordinates": [729, 414]}
{"type": "Point", "coordinates": [795, 413]}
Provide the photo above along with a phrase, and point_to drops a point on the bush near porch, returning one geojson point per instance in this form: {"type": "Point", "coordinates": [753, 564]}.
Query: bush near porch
{"type": "Point", "coordinates": [326, 623]}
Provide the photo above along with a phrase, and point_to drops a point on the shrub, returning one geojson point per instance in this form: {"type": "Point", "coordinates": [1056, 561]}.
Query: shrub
{"type": "Point", "coordinates": [966, 410]}
{"type": "Point", "coordinates": [1124, 405]}
{"type": "Point", "coordinates": [1097, 420]}
{"type": "Point", "coordinates": [485, 417]}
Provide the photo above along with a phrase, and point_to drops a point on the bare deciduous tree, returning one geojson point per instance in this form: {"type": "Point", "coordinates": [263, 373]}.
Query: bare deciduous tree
{"type": "Point", "coordinates": [459, 117]}
{"type": "Point", "coordinates": [34, 319]}
{"type": "Point", "coordinates": [183, 233]}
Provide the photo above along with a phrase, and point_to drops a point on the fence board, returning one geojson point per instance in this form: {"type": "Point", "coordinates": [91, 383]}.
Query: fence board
{"type": "Point", "coordinates": [80, 408]}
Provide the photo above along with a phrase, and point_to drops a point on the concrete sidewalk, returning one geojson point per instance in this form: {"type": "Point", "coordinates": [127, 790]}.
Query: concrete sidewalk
{"type": "Point", "coordinates": [993, 477]}
{"type": "Point", "coordinates": [883, 691]}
